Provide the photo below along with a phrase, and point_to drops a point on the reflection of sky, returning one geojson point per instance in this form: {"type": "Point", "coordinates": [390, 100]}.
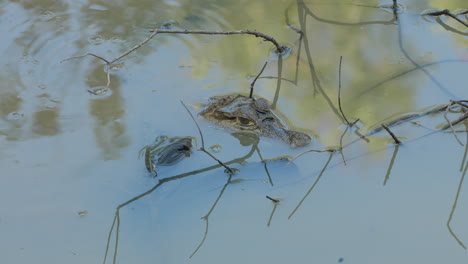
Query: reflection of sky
{"type": "Point", "coordinates": [66, 157]}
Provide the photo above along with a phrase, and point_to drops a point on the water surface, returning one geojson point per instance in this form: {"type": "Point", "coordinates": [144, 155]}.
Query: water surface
{"type": "Point", "coordinates": [69, 157]}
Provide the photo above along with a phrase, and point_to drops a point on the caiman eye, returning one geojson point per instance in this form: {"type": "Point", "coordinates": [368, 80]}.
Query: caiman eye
{"type": "Point", "coordinates": [244, 121]}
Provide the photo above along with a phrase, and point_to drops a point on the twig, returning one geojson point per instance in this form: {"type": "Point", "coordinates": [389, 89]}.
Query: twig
{"type": "Point", "coordinates": [447, 13]}
{"type": "Point", "coordinates": [272, 199]}
{"type": "Point", "coordinates": [450, 123]}
{"type": "Point", "coordinates": [339, 93]}
{"type": "Point", "coordinates": [154, 32]}
{"type": "Point", "coordinates": [257, 34]}
{"type": "Point", "coordinates": [258, 75]}
{"type": "Point", "coordinates": [307, 151]}
{"type": "Point", "coordinates": [87, 54]}
{"type": "Point", "coordinates": [391, 134]}
{"type": "Point", "coordinates": [231, 171]}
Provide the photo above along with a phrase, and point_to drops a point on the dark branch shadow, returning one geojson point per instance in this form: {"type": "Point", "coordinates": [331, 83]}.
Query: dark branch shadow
{"type": "Point", "coordinates": [275, 205]}
{"type": "Point", "coordinates": [116, 220]}
{"type": "Point", "coordinates": [466, 149]}
{"type": "Point", "coordinates": [454, 207]}
{"type": "Point", "coordinates": [449, 28]}
{"type": "Point", "coordinates": [313, 185]}
{"type": "Point", "coordinates": [392, 161]}
{"type": "Point", "coordinates": [206, 217]}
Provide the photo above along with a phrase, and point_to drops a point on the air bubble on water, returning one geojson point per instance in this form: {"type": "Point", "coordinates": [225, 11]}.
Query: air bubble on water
{"type": "Point", "coordinates": [15, 116]}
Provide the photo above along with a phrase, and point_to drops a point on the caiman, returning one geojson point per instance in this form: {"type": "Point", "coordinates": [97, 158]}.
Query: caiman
{"type": "Point", "coordinates": [242, 113]}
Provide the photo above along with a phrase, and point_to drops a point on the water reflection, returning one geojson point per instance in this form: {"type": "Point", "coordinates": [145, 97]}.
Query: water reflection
{"type": "Point", "coordinates": [109, 113]}
{"type": "Point", "coordinates": [44, 105]}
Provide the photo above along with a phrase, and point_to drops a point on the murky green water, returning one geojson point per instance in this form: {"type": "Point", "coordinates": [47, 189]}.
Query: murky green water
{"type": "Point", "coordinates": [69, 158]}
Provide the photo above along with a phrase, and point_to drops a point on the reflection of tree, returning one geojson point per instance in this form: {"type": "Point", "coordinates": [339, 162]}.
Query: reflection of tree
{"type": "Point", "coordinates": [416, 64]}
{"type": "Point", "coordinates": [110, 130]}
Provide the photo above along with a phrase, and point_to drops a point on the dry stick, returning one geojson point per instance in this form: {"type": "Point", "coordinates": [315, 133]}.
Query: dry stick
{"type": "Point", "coordinates": [231, 171]}
{"type": "Point", "coordinates": [272, 199]}
{"type": "Point", "coordinates": [391, 134]}
{"type": "Point", "coordinates": [257, 34]}
{"type": "Point", "coordinates": [258, 75]}
{"type": "Point", "coordinates": [279, 49]}
{"type": "Point", "coordinates": [447, 13]}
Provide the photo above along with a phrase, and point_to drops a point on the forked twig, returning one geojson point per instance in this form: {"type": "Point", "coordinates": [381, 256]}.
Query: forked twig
{"type": "Point", "coordinates": [272, 199]}
{"type": "Point", "coordinates": [258, 75]}
{"type": "Point", "coordinates": [231, 171]}
{"type": "Point", "coordinates": [154, 32]}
